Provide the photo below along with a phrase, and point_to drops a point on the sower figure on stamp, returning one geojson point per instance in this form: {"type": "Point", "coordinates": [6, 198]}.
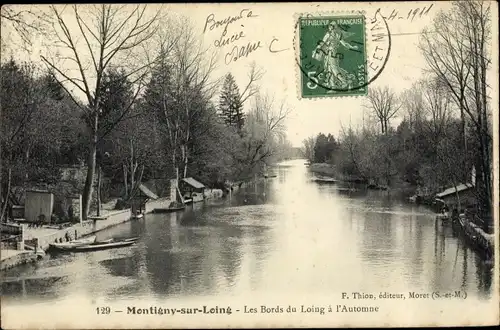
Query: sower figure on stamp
{"type": "Point", "coordinates": [328, 51]}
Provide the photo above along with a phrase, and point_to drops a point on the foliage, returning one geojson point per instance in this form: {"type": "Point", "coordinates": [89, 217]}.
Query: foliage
{"type": "Point", "coordinates": [230, 105]}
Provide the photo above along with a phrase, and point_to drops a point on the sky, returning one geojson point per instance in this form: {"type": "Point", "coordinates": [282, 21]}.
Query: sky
{"type": "Point", "coordinates": [272, 26]}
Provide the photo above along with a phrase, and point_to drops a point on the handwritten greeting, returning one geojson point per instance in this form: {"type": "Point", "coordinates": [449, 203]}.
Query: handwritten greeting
{"type": "Point", "coordinates": [236, 42]}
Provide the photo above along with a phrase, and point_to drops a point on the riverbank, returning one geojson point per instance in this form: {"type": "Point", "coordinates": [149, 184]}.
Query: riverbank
{"type": "Point", "coordinates": [43, 237]}
{"type": "Point", "coordinates": [327, 170]}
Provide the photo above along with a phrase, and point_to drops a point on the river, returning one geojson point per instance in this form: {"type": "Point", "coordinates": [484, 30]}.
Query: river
{"type": "Point", "coordinates": [284, 235]}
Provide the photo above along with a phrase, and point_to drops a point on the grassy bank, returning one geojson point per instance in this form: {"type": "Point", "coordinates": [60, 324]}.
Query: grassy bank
{"type": "Point", "coordinates": [328, 170]}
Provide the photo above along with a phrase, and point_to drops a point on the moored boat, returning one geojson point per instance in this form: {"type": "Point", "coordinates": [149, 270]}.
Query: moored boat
{"type": "Point", "coordinates": [77, 242]}
{"type": "Point", "coordinates": [324, 180]}
{"type": "Point", "coordinates": [169, 209]}
{"type": "Point", "coordinates": [102, 245]}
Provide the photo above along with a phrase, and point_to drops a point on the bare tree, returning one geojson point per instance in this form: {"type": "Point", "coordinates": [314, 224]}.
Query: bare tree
{"type": "Point", "coordinates": [183, 89]}
{"type": "Point", "coordinates": [437, 109]}
{"type": "Point", "coordinates": [412, 102]}
{"type": "Point", "coordinates": [251, 88]}
{"type": "Point", "coordinates": [265, 125]}
{"type": "Point", "coordinates": [105, 36]}
{"type": "Point", "coordinates": [21, 24]}
{"type": "Point", "coordinates": [384, 105]}
{"type": "Point", "coordinates": [309, 148]}
{"type": "Point", "coordinates": [458, 54]}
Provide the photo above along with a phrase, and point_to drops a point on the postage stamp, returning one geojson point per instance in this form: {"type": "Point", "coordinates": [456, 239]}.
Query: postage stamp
{"type": "Point", "coordinates": [332, 56]}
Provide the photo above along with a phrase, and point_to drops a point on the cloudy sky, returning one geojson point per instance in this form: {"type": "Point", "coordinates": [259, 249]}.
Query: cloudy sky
{"type": "Point", "coordinates": [273, 25]}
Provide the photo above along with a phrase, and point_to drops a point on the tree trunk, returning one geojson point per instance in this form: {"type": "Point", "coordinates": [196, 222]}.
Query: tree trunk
{"type": "Point", "coordinates": [7, 194]}
{"type": "Point", "coordinates": [87, 190]}
{"type": "Point", "coordinates": [91, 164]}
{"type": "Point", "coordinates": [99, 174]}
{"type": "Point", "coordinates": [125, 180]}
{"type": "Point", "coordinates": [462, 133]}
{"type": "Point", "coordinates": [185, 161]}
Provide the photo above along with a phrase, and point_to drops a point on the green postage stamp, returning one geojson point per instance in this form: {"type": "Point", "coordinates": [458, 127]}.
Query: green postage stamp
{"type": "Point", "coordinates": [332, 57]}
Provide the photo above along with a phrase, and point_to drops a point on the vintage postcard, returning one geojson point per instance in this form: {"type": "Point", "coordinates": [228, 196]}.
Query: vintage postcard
{"type": "Point", "coordinates": [249, 165]}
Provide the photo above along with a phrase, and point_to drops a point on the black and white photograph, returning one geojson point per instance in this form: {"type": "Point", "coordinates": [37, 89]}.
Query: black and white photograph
{"type": "Point", "coordinates": [249, 165]}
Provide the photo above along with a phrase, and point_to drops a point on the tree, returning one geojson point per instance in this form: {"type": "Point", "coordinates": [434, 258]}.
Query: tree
{"type": "Point", "coordinates": [412, 103]}
{"type": "Point", "coordinates": [265, 125]}
{"type": "Point", "coordinates": [384, 105]}
{"type": "Point", "coordinates": [230, 105]}
{"type": "Point", "coordinates": [180, 88]}
{"type": "Point", "coordinates": [38, 128]}
{"type": "Point", "coordinates": [21, 24]}
{"type": "Point", "coordinates": [437, 109]}
{"type": "Point", "coordinates": [458, 53]}
{"type": "Point", "coordinates": [119, 144]}
{"type": "Point", "coordinates": [309, 148]}
{"type": "Point", "coordinates": [23, 92]}
{"type": "Point", "coordinates": [104, 36]}
{"type": "Point", "coordinates": [324, 148]}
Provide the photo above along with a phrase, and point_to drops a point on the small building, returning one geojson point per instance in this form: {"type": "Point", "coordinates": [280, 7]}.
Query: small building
{"type": "Point", "coordinates": [466, 196]}
{"type": "Point", "coordinates": [38, 206]}
{"type": "Point", "coordinates": [138, 202]}
{"type": "Point", "coordinates": [192, 189]}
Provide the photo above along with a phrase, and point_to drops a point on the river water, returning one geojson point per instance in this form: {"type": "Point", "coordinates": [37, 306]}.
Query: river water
{"type": "Point", "coordinates": [284, 235]}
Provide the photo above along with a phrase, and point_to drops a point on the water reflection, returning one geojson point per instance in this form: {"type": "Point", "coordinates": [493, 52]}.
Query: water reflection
{"type": "Point", "coordinates": [282, 235]}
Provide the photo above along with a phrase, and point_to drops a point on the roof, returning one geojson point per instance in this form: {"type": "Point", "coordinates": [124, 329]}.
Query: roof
{"type": "Point", "coordinates": [147, 192]}
{"type": "Point", "coordinates": [193, 183]}
{"type": "Point", "coordinates": [41, 191]}
{"type": "Point", "coordinates": [461, 187]}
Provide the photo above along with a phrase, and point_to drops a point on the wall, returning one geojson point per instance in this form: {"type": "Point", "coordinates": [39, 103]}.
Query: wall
{"type": "Point", "coordinates": [156, 204]}
{"type": "Point", "coordinates": [19, 259]}
{"type": "Point", "coordinates": [38, 203]}
{"type": "Point", "coordinates": [91, 226]}
{"type": "Point", "coordinates": [82, 229]}
{"type": "Point", "coordinates": [112, 219]}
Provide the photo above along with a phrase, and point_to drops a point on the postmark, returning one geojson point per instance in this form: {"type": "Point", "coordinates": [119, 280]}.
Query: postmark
{"type": "Point", "coordinates": [334, 55]}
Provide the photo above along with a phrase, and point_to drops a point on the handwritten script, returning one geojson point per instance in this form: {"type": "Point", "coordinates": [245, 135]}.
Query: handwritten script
{"type": "Point", "coordinates": [418, 12]}
{"type": "Point", "coordinates": [239, 47]}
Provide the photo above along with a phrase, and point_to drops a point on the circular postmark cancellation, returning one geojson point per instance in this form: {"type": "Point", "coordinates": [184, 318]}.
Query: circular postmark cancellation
{"type": "Point", "coordinates": [340, 54]}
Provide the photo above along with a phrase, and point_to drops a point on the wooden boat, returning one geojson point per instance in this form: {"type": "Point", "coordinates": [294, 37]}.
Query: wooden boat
{"type": "Point", "coordinates": [81, 241]}
{"type": "Point", "coordinates": [169, 209]}
{"type": "Point", "coordinates": [137, 216]}
{"type": "Point", "coordinates": [324, 180]}
{"type": "Point", "coordinates": [102, 245]}
{"type": "Point", "coordinates": [270, 176]}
